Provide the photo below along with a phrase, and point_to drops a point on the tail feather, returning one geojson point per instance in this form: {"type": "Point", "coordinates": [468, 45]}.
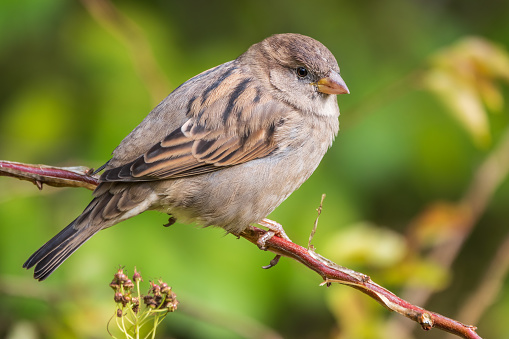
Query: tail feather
{"type": "Point", "coordinates": [112, 204]}
{"type": "Point", "coordinates": [49, 257]}
{"type": "Point", "coordinates": [52, 254]}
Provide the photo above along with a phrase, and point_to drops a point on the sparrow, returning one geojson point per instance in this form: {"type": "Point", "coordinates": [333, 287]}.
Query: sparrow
{"type": "Point", "coordinates": [223, 149]}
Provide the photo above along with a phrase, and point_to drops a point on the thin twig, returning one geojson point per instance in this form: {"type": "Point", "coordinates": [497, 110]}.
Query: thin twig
{"type": "Point", "coordinates": [315, 226]}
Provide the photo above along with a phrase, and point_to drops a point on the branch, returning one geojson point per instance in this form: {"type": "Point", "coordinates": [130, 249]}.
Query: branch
{"type": "Point", "coordinates": [328, 270]}
{"type": "Point", "coordinates": [49, 175]}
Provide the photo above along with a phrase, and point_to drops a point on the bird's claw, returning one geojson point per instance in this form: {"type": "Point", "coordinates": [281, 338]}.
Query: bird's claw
{"type": "Point", "coordinates": [273, 262]}
{"type": "Point", "coordinates": [171, 221]}
{"type": "Point", "coordinates": [274, 229]}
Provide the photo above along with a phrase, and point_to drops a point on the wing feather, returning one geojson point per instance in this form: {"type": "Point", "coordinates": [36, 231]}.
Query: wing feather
{"type": "Point", "coordinates": [221, 131]}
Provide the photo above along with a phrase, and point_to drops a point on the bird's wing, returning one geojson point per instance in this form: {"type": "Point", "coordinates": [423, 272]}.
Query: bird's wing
{"type": "Point", "coordinates": [187, 153]}
{"type": "Point", "coordinates": [222, 131]}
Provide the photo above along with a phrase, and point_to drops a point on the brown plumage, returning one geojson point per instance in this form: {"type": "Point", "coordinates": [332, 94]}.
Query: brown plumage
{"type": "Point", "coordinates": [225, 148]}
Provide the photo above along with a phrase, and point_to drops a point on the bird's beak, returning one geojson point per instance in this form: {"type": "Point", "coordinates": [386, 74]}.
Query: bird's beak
{"type": "Point", "coordinates": [332, 84]}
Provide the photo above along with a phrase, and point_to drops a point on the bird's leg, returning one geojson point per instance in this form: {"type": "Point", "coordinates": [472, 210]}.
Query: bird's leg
{"type": "Point", "coordinates": [274, 229]}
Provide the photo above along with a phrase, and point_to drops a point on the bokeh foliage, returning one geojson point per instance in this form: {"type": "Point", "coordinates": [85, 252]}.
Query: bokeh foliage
{"type": "Point", "coordinates": [428, 81]}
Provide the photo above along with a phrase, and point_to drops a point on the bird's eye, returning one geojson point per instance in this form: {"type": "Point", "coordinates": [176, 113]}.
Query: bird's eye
{"type": "Point", "coordinates": [302, 71]}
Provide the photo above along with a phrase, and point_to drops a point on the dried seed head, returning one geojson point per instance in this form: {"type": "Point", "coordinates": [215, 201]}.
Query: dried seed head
{"type": "Point", "coordinates": [165, 289]}
{"type": "Point", "coordinates": [119, 297]}
{"type": "Point", "coordinates": [171, 302]}
{"type": "Point", "coordinates": [149, 301]}
{"type": "Point", "coordinates": [158, 299]}
{"type": "Point", "coordinates": [114, 285]}
{"type": "Point", "coordinates": [120, 276]}
{"type": "Point", "coordinates": [154, 288]}
{"type": "Point", "coordinates": [137, 276]}
{"type": "Point", "coordinates": [129, 284]}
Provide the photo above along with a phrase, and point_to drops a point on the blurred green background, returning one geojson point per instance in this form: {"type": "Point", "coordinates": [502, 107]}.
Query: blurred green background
{"type": "Point", "coordinates": [426, 111]}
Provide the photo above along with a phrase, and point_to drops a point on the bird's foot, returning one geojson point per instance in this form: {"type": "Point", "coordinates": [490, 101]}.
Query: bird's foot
{"type": "Point", "coordinates": [274, 229]}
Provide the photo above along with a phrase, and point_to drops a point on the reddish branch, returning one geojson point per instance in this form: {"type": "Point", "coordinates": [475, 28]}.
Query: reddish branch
{"type": "Point", "coordinates": [328, 270]}
{"type": "Point", "coordinates": [49, 175]}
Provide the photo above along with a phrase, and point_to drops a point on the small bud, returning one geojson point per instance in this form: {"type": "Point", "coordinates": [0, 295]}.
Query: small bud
{"type": "Point", "coordinates": [118, 297]}
{"type": "Point", "coordinates": [171, 302]}
{"type": "Point", "coordinates": [114, 285]}
{"type": "Point", "coordinates": [165, 289]}
{"type": "Point", "coordinates": [155, 289]}
{"type": "Point", "coordinates": [129, 284]}
{"type": "Point", "coordinates": [119, 313]}
{"type": "Point", "coordinates": [158, 299]}
{"type": "Point", "coordinates": [120, 276]}
{"type": "Point", "coordinates": [137, 276]}
{"type": "Point", "coordinates": [149, 301]}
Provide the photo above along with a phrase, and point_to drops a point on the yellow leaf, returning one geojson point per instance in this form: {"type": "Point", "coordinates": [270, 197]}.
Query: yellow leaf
{"type": "Point", "coordinates": [464, 77]}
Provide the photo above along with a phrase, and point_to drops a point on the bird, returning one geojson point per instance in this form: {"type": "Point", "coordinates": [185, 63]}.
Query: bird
{"type": "Point", "coordinates": [223, 149]}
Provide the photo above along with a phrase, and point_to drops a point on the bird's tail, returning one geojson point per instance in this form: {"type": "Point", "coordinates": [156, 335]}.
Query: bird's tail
{"type": "Point", "coordinates": [112, 204]}
{"type": "Point", "coordinates": [52, 254]}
